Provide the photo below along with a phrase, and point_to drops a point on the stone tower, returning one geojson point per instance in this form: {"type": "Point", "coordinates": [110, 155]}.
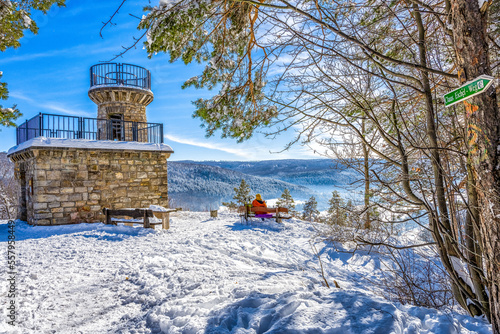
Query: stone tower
{"type": "Point", "coordinates": [69, 168]}
{"type": "Point", "coordinates": [122, 92]}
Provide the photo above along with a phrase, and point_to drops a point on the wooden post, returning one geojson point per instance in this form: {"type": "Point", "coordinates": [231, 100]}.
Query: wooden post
{"type": "Point", "coordinates": [213, 213]}
{"type": "Point", "coordinates": [278, 219]}
{"type": "Point", "coordinates": [108, 216]}
{"type": "Point", "coordinates": [165, 220]}
{"type": "Point", "coordinates": [146, 219]}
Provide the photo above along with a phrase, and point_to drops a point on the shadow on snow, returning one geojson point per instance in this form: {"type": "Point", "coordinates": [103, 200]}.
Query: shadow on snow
{"type": "Point", "coordinates": [337, 312]}
{"type": "Point", "coordinates": [24, 231]}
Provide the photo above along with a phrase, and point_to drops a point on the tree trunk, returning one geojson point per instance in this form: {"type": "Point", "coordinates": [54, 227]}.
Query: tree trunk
{"type": "Point", "coordinates": [366, 170]}
{"type": "Point", "coordinates": [472, 241]}
{"type": "Point", "coordinates": [441, 224]}
{"type": "Point", "coordinates": [471, 46]}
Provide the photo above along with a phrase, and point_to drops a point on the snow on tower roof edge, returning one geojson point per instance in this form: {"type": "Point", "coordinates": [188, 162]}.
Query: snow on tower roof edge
{"type": "Point", "coordinates": [89, 144]}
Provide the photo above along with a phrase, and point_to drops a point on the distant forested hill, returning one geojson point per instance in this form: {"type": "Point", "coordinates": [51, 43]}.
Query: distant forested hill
{"type": "Point", "coordinates": [314, 172]}
{"type": "Point", "coordinates": [201, 187]}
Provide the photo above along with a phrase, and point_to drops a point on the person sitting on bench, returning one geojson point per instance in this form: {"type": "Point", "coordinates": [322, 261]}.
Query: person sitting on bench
{"type": "Point", "coordinates": [259, 202]}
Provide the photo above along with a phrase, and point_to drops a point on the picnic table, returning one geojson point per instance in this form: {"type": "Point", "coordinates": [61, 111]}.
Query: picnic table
{"type": "Point", "coordinates": [139, 216]}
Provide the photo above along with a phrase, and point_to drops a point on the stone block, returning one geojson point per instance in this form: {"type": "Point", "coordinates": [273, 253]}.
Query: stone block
{"type": "Point", "coordinates": [75, 197]}
{"type": "Point", "coordinates": [82, 175]}
{"type": "Point", "coordinates": [40, 175]}
{"type": "Point", "coordinates": [38, 183]}
{"type": "Point", "coordinates": [67, 190]}
{"type": "Point", "coordinates": [120, 192]}
{"type": "Point", "coordinates": [94, 196]}
{"type": "Point", "coordinates": [39, 206]}
{"type": "Point", "coordinates": [66, 183]}
{"type": "Point", "coordinates": [43, 222]}
{"type": "Point", "coordinates": [45, 198]}
{"type": "Point", "coordinates": [53, 175]}
{"type": "Point", "coordinates": [68, 175]}
{"type": "Point", "coordinates": [44, 165]}
{"type": "Point", "coordinates": [78, 183]}
{"type": "Point", "coordinates": [68, 205]}
{"type": "Point", "coordinates": [51, 190]}
{"type": "Point", "coordinates": [38, 216]}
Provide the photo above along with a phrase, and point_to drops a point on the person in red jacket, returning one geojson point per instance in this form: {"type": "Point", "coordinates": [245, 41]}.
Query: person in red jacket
{"type": "Point", "coordinates": [259, 202]}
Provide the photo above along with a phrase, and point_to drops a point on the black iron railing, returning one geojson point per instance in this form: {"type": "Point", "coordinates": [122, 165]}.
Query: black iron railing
{"type": "Point", "coordinates": [73, 127]}
{"type": "Point", "coordinates": [115, 74]}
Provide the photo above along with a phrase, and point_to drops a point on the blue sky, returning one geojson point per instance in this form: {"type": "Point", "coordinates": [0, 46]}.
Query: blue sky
{"type": "Point", "coordinates": [50, 73]}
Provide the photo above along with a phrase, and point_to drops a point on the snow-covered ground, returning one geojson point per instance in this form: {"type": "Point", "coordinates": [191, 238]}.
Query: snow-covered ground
{"type": "Point", "coordinates": [202, 276]}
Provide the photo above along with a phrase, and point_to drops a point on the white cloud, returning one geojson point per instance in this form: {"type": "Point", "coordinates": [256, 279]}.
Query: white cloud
{"type": "Point", "coordinates": [260, 149]}
{"type": "Point", "coordinates": [65, 110]}
{"type": "Point", "coordinates": [51, 106]}
{"type": "Point", "coordinates": [213, 146]}
{"type": "Point", "coordinates": [88, 49]}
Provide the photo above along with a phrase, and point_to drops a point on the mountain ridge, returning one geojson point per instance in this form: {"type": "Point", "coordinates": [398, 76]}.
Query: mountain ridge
{"type": "Point", "coordinates": [201, 185]}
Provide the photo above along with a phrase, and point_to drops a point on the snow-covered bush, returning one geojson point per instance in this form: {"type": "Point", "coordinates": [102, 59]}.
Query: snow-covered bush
{"type": "Point", "coordinates": [8, 189]}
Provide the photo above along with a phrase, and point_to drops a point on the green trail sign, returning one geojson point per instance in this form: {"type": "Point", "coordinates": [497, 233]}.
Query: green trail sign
{"type": "Point", "coordinates": [470, 89]}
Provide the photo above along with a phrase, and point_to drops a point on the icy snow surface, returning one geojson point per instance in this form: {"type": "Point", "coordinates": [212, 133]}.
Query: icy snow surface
{"type": "Point", "coordinates": [201, 276]}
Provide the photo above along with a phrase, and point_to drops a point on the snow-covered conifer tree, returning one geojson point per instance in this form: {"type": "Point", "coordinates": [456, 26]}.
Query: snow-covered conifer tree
{"type": "Point", "coordinates": [310, 209]}
{"type": "Point", "coordinates": [15, 18]}
{"type": "Point", "coordinates": [286, 200]}
{"type": "Point", "coordinates": [336, 211]}
{"type": "Point", "coordinates": [242, 195]}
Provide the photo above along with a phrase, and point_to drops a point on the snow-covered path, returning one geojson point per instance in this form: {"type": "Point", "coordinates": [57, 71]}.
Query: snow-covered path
{"type": "Point", "coordinates": [202, 276]}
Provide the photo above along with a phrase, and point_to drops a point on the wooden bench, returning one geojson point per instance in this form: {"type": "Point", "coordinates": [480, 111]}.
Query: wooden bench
{"type": "Point", "coordinates": [248, 212]}
{"type": "Point", "coordinates": [145, 214]}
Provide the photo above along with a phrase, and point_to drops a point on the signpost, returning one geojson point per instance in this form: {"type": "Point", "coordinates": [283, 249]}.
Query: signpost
{"type": "Point", "coordinates": [470, 89]}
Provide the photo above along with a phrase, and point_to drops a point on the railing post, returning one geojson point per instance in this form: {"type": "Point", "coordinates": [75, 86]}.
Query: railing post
{"type": "Point", "coordinates": [134, 131]}
{"type": "Point", "coordinates": [26, 126]}
{"type": "Point", "coordinates": [79, 134]}
{"type": "Point", "coordinates": [109, 130]}
{"type": "Point", "coordinates": [40, 123]}
{"type": "Point", "coordinates": [161, 133]}
{"type": "Point", "coordinates": [119, 74]}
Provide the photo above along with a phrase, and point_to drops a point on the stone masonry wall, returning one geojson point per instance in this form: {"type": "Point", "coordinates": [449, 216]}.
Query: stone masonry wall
{"type": "Point", "coordinates": [73, 185]}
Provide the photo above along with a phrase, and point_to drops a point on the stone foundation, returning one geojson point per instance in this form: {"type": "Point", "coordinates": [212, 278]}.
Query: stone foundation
{"type": "Point", "coordinates": [72, 185]}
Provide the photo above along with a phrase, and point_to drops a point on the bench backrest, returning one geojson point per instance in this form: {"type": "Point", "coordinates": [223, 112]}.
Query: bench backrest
{"type": "Point", "coordinates": [262, 209]}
